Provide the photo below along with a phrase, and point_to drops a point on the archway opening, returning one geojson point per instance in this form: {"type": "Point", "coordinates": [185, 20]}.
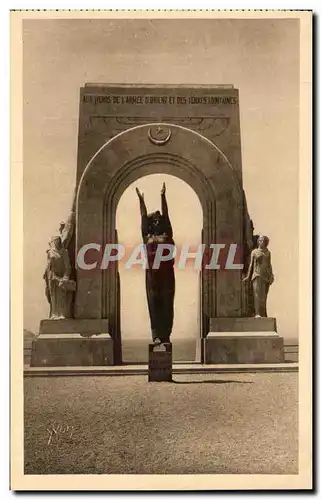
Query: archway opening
{"type": "Point", "coordinates": [186, 217]}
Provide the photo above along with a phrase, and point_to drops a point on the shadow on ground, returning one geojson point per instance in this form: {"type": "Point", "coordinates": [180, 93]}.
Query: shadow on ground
{"type": "Point", "coordinates": [210, 382]}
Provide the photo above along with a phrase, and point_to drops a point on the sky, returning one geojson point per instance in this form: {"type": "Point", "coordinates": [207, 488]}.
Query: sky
{"type": "Point", "coordinates": [259, 57]}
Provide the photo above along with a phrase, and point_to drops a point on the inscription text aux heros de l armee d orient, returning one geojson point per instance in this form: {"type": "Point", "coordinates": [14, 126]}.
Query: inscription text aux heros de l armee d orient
{"type": "Point", "coordinates": [155, 99]}
{"type": "Point", "coordinates": [216, 256]}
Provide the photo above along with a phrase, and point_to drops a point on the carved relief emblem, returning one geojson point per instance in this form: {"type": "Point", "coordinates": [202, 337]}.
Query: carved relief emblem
{"type": "Point", "coordinates": [159, 134]}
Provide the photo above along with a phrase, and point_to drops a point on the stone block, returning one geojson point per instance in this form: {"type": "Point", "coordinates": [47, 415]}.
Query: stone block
{"type": "Point", "coordinates": [72, 349]}
{"type": "Point", "coordinates": [160, 362]}
{"type": "Point", "coordinates": [83, 327]}
{"type": "Point", "coordinates": [250, 348]}
{"type": "Point", "coordinates": [242, 325]}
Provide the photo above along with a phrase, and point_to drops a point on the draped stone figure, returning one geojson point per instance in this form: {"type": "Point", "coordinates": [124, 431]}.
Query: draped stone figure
{"type": "Point", "coordinates": [58, 276]}
{"type": "Point", "coordinates": [249, 243]}
{"type": "Point", "coordinates": [160, 283]}
{"type": "Point", "coordinates": [260, 274]}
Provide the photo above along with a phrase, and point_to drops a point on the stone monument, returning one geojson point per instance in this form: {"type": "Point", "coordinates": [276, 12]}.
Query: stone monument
{"type": "Point", "coordinates": [130, 131]}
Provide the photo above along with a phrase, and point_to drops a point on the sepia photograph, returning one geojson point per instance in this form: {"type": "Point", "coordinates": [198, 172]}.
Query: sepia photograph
{"type": "Point", "coordinates": [161, 325]}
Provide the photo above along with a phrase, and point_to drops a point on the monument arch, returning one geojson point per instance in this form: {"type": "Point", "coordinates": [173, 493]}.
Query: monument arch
{"type": "Point", "coordinates": [120, 162]}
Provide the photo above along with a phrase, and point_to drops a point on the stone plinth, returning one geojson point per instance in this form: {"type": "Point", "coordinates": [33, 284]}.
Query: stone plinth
{"type": "Point", "coordinates": [160, 363]}
{"type": "Point", "coordinates": [86, 327]}
{"type": "Point", "coordinates": [242, 325]}
{"type": "Point", "coordinates": [72, 342]}
{"type": "Point", "coordinates": [243, 340]}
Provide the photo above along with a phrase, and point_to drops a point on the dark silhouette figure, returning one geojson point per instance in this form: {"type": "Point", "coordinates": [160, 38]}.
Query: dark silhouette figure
{"type": "Point", "coordinates": [160, 282]}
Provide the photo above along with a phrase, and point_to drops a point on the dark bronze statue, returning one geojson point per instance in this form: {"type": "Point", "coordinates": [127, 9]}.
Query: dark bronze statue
{"type": "Point", "coordinates": [160, 283]}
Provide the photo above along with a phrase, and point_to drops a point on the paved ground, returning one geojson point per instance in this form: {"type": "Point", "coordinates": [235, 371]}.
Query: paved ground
{"type": "Point", "coordinates": [216, 423]}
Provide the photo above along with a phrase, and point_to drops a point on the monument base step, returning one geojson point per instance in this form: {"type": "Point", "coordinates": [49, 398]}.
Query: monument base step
{"type": "Point", "coordinates": [243, 347]}
{"type": "Point", "coordinates": [72, 349]}
{"type": "Point", "coordinates": [177, 369]}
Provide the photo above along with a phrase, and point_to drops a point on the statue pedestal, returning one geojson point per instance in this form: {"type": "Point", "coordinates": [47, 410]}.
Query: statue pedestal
{"type": "Point", "coordinates": [160, 362]}
{"type": "Point", "coordinates": [72, 342]}
{"type": "Point", "coordinates": [243, 340]}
